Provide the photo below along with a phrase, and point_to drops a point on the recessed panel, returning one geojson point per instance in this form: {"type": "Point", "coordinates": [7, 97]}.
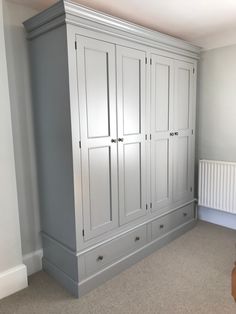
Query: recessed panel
{"type": "Point", "coordinates": [162, 96]}
{"type": "Point", "coordinates": [100, 186]}
{"type": "Point", "coordinates": [162, 170]}
{"type": "Point", "coordinates": [97, 92]}
{"type": "Point", "coordinates": [183, 99]}
{"type": "Point", "coordinates": [181, 177]}
{"type": "Point", "coordinates": [131, 93]}
{"type": "Point", "coordinates": [132, 178]}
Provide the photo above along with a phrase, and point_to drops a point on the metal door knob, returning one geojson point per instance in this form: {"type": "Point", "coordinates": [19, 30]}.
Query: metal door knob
{"type": "Point", "coordinates": [120, 139]}
{"type": "Point", "coordinates": [99, 258]}
{"type": "Point", "coordinates": [172, 134]}
{"type": "Point", "coordinates": [113, 140]}
{"type": "Point", "coordinates": [161, 226]}
{"type": "Point", "coordinates": [137, 239]}
{"type": "Point", "coordinates": [176, 133]}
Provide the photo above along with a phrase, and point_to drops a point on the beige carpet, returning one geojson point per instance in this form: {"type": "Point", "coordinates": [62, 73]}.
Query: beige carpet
{"type": "Point", "coordinates": [190, 275]}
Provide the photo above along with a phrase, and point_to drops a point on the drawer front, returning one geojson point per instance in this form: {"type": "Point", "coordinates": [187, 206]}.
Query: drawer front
{"type": "Point", "coordinates": [161, 226]}
{"type": "Point", "coordinates": [171, 221]}
{"type": "Point", "coordinates": [186, 214]}
{"type": "Point", "coordinates": [105, 254]}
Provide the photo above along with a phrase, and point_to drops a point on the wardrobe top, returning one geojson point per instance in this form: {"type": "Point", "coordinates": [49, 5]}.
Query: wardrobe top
{"type": "Point", "coordinates": [69, 12]}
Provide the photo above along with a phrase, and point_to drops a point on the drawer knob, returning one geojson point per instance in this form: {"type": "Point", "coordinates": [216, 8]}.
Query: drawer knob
{"type": "Point", "coordinates": [185, 214]}
{"type": "Point", "coordinates": [161, 226]}
{"type": "Point", "coordinates": [137, 239]}
{"type": "Point", "coordinates": [99, 258]}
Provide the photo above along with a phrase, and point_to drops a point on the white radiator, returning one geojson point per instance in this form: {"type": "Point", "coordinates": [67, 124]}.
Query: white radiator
{"type": "Point", "coordinates": [217, 185]}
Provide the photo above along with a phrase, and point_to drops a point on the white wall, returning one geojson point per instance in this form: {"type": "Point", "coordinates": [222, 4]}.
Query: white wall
{"type": "Point", "coordinates": [20, 96]}
{"type": "Point", "coordinates": [217, 104]}
{"type": "Point", "coordinates": [216, 114]}
{"type": "Point", "coordinates": [12, 272]}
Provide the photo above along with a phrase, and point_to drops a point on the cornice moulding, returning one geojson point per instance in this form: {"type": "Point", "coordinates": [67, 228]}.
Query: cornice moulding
{"type": "Point", "coordinates": [68, 12]}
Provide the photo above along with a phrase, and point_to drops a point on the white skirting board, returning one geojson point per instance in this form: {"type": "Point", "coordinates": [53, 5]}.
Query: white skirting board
{"type": "Point", "coordinates": [217, 217]}
{"type": "Point", "coordinates": [13, 280]}
{"type": "Point", "coordinates": [33, 261]}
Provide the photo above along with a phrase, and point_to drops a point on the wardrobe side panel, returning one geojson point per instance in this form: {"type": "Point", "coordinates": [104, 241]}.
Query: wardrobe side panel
{"type": "Point", "coordinates": [51, 101]}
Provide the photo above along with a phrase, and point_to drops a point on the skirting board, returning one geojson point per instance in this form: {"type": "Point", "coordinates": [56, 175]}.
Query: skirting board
{"type": "Point", "coordinates": [217, 217]}
{"type": "Point", "coordinates": [33, 261]}
{"type": "Point", "coordinates": [13, 280]}
{"type": "Point", "coordinates": [92, 282]}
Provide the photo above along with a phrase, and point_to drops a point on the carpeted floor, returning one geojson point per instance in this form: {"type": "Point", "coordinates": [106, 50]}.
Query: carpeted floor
{"type": "Point", "coordinates": [190, 275]}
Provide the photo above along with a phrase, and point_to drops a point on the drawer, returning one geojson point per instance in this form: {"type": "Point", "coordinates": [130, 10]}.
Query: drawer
{"type": "Point", "coordinates": [161, 226]}
{"type": "Point", "coordinates": [171, 221]}
{"type": "Point", "coordinates": [186, 214]}
{"type": "Point", "coordinates": [105, 254]}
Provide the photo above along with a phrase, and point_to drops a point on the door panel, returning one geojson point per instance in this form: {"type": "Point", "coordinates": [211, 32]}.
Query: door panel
{"type": "Point", "coordinates": [97, 83]}
{"type": "Point", "coordinates": [131, 95]}
{"type": "Point", "coordinates": [132, 178]}
{"type": "Point", "coordinates": [162, 175]}
{"type": "Point", "coordinates": [131, 102]}
{"type": "Point", "coordinates": [183, 123]}
{"type": "Point", "coordinates": [97, 102]}
{"type": "Point", "coordinates": [181, 159]}
{"type": "Point", "coordinates": [162, 83]}
{"type": "Point", "coordinates": [183, 180]}
{"type": "Point", "coordinates": [183, 95]}
{"type": "Point", "coordinates": [99, 192]}
{"type": "Point", "coordinates": [183, 87]}
{"type": "Point", "coordinates": [162, 72]}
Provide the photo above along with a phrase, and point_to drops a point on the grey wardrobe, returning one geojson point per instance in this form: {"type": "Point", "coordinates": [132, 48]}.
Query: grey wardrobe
{"type": "Point", "coordinates": [114, 113]}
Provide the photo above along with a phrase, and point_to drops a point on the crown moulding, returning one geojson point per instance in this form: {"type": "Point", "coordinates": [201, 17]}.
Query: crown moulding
{"type": "Point", "coordinates": [68, 12]}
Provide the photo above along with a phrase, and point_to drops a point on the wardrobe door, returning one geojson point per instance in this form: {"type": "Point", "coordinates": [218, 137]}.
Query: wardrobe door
{"type": "Point", "coordinates": [183, 123]}
{"type": "Point", "coordinates": [97, 104]}
{"type": "Point", "coordinates": [131, 103]}
{"type": "Point", "coordinates": [162, 79]}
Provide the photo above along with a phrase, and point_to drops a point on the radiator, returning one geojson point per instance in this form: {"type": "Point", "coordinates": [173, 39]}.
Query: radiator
{"type": "Point", "coordinates": [217, 185]}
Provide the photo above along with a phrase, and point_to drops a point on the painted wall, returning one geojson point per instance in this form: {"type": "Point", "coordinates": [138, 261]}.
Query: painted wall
{"type": "Point", "coordinates": [217, 104]}
{"type": "Point", "coordinates": [217, 217]}
{"type": "Point", "coordinates": [216, 113]}
{"type": "Point", "coordinates": [20, 97]}
{"type": "Point", "coordinates": [9, 222]}
{"type": "Point", "coordinates": [12, 272]}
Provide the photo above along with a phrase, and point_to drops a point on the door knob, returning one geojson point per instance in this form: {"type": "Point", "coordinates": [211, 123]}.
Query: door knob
{"type": "Point", "coordinates": [172, 134]}
{"type": "Point", "coordinates": [176, 133]}
{"type": "Point", "coordinates": [120, 139]}
{"type": "Point", "coordinates": [99, 258]}
{"type": "Point", "coordinates": [113, 140]}
{"type": "Point", "coordinates": [137, 239]}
